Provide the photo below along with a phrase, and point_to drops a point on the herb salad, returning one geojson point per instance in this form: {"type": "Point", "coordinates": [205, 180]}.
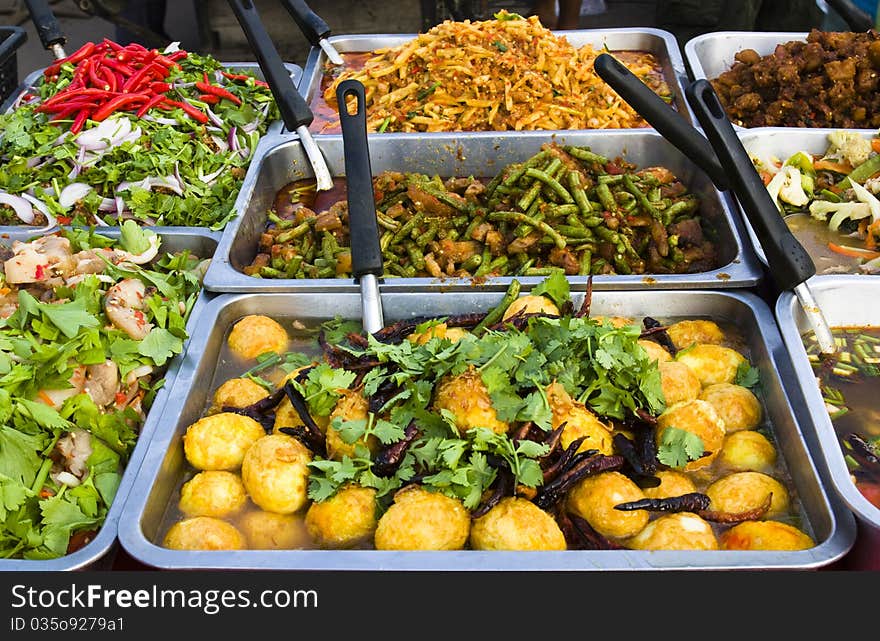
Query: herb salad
{"type": "Point", "coordinates": [115, 133]}
{"type": "Point", "coordinates": [88, 326]}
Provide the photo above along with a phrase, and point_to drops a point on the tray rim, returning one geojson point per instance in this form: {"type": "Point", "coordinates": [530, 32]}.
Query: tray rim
{"type": "Point", "coordinates": [133, 540]}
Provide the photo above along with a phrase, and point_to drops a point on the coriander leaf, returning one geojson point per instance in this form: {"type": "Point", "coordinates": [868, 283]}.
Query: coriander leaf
{"type": "Point", "coordinates": [555, 287]}
{"type": "Point", "coordinates": [19, 455]}
{"type": "Point", "coordinates": [747, 376]}
{"type": "Point", "coordinates": [160, 345]}
{"type": "Point", "coordinates": [70, 317]}
{"type": "Point", "coordinates": [42, 414]}
{"type": "Point", "coordinates": [60, 518]}
{"type": "Point", "coordinates": [133, 238]}
{"type": "Point", "coordinates": [677, 447]}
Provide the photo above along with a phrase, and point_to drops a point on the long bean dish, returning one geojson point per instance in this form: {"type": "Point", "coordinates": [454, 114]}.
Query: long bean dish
{"type": "Point", "coordinates": [508, 73]}
{"type": "Point", "coordinates": [565, 208]}
{"type": "Point", "coordinates": [88, 326]}
{"type": "Point", "coordinates": [113, 133]}
{"type": "Point", "coordinates": [531, 426]}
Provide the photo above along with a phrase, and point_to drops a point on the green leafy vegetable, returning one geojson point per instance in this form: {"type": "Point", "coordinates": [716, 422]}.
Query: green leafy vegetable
{"type": "Point", "coordinates": [678, 447]}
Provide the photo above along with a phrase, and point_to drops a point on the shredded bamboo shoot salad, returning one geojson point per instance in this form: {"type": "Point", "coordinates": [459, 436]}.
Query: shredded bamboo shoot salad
{"type": "Point", "coordinates": [510, 73]}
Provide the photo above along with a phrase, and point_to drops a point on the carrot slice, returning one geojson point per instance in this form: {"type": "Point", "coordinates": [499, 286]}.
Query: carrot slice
{"type": "Point", "coordinates": [830, 165]}
{"type": "Point", "coordinates": [853, 252]}
{"type": "Point", "coordinates": [875, 144]}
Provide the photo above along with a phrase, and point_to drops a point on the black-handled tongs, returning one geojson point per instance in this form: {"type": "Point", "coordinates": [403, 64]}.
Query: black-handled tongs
{"type": "Point", "coordinates": [789, 263]}
{"type": "Point", "coordinates": [48, 27]}
{"type": "Point", "coordinates": [661, 116]}
{"type": "Point", "coordinates": [294, 109]}
{"type": "Point", "coordinates": [313, 28]}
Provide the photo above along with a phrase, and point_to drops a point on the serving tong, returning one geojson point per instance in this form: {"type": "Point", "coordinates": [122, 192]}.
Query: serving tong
{"type": "Point", "coordinates": [294, 109]}
{"type": "Point", "coordinates": [313, 28]}
{"type": "Point", "coordinates": [366, 253]}
{"type": "Point", "coordinates": [728, 165]}
{"type": "Point", "coordinates": [47, 27]}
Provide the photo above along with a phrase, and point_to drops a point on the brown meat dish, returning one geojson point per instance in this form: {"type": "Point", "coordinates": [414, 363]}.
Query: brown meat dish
{"type": "Point", "coordinates": [829, 80]}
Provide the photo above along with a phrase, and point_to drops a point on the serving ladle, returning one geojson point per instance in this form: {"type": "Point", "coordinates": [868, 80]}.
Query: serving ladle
{"type": "Point", "coordinates": [728, 165]}
{"type": "Point", "coordinates": [366, 253]}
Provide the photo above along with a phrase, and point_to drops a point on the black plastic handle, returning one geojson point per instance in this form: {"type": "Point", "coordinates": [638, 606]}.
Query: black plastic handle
{"type": "Point", "coordinates": [46, 24]}
{"type": "Point", "coordinates": [294, 109]}
{"type": "Point", "coordinates": [789, 263]}
{"type": "Point", "coordinates": [662, 117]}
{"type": "Point", "coordinates": [310, 23]}
{"type": "Point", "coordinates": [366, 254]}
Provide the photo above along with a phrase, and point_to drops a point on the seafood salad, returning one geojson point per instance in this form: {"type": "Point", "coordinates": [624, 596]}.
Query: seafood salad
{"type": "Point", "coordinates": [88, 325]}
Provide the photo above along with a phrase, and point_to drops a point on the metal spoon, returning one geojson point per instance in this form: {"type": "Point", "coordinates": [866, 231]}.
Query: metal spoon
{"type": "Point", "coordinates": [790, 264]}
{"type": "Point", "coordinates": [294, 109]}
{"type": "Point", "coordinates": [366, 254]}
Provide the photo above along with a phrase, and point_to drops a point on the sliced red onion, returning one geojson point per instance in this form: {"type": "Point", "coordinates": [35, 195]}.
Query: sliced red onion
{"type": "Point", "coordinates": [178, 178]}
{"type": "Point", "coordinates": [169, 182]}
{"type": "Point", "coordinates": [160, 121]}
{"type": "Point", "coordinates": [233, 140]}
{"type": "Point", "coordinates": [244, 152]}
{"type": "Point", "coordinates": [23, 209]}
{"type": "Point", "coordinates": [73, 193]}
{"type": "Point", "coordinates": [99, 221]}
{"type": "Point", "coordinates": [219, 78]}
{"type": "Point", "coordinates": [184, 85]}
{"type": "Point", "coordinates": [217, 120]}
{"type": "Point", "coordinates": [107, 134]}
{"type": "Point", "coordinates": [120, 206]}
{"type": "Point", "coordinates": [210, 178]}
{"type": "Point", "coordinates": [222, 144]}
{"type": "Point", "coordinates": [107, 204]}
{"type": "Point", "coordinates": [43, 209]}
{"type": "Point", "coordinates": [251, 126]}
{"type": "Point", "coordinates": [35, 161]}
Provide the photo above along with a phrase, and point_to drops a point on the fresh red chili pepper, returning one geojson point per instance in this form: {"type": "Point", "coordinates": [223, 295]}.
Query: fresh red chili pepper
{"type": "Point", "coordinates": [177, 55]}
{"type": "Point", "coordinates": [244, 78]}
{"type": "Point", "coordinates": [165, 61]}
{"type": "Point", "coordinates": [65, 113]}
{"type": "Point", "coordinates": [218, 91]}
{"type": "Point", "coordinates": [108, 74]}
{"type": "Point", "coordinates": [116, 65]}
{"type": "Point", "coordinates": [80, 121]}
{"type": "Point", "coordinates": [193, 112]}
{"type": "Point", "coordinates": [210, 98]}
{"type": "Point", "coordinates": [134, 46]}
{"type": "Point", "coordinates": [137, 78]}
{"type": "Point", "coordinates": [61, 106]}
{"type": "Point", "coordinates": [205, 78]}
{"type": "Point", "coordinates": [161, 87]}
{"type": "Point", "coordinates": [80, 54]}
{"type": "Point", "coordinates": [113, 45]}
{"type": "Point", "coordinates": [149, 104]}
{"type": "Point", "coordinates": [95, 79]}
{"type": "Point", "coordinates": [117, 103]}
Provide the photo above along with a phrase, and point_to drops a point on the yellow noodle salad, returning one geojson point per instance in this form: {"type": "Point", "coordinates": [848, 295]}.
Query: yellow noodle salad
{"type": "Point", "coordinates": [509, 73]}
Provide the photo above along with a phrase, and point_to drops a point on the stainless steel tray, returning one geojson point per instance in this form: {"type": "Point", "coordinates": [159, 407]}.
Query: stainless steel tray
{"type": "Point", "coordinates": [92, 555]}
{"type": "Point", "coordinates": [661, 43]}
{"type": "Point", "coordinates": [710, 54]}
{"type": "Point", "coordinates": [782, 142]}
{"type": "Point", "coordinates": [832, 526]}
{"type": "Point", "coordinates": [845, 300]}
{"type": "Point", "coordinates": [477, 154]}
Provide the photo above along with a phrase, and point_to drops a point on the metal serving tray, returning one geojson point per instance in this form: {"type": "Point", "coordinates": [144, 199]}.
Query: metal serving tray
{"type": "Point", "coordinates": [94, 554]}
{"type": "Point", "coordinates": [661, 43]}
{"type": "Point", "coordinates": [833, 527]}
{"type": "Point", "coordinates": [710, 54]}
{"type": "Point", "coordinates": [477, 154]}
{"type": "Point", "coordinates": [845, 300]}
{"type": "Point", "coordinates": [782, 142]}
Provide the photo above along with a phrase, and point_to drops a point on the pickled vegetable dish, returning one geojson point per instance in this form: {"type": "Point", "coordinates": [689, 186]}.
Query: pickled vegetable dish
{"type": "Point", "coordinates": [836, 189]}
{"type": "Point", "coordinates": [565, 208]}
{"type": "Point", "coordinates": [532, 426]}
{"type": "Point", "coordinates": [850, 383]}
{"type": "Point", "coordinates": [88, 326]}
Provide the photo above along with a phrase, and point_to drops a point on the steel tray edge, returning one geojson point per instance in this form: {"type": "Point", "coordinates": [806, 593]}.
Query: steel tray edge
{"type": "Point", "coordinates": [823, 439]}
{"type": "Point", "coordinates": [104, 540]}
{"type": "Point", "coordinates": [133, 540]}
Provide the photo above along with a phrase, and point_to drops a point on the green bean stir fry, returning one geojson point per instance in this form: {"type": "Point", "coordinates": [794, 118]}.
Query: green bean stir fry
{"type": "Point", "coordinates": [565, 208]}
